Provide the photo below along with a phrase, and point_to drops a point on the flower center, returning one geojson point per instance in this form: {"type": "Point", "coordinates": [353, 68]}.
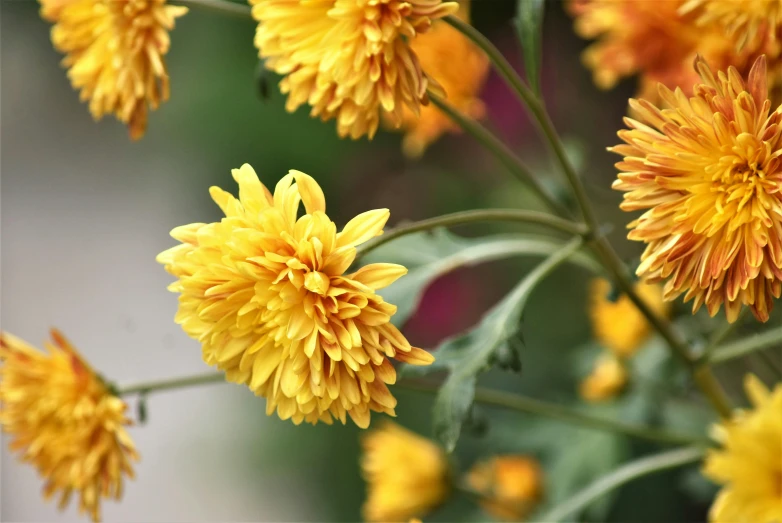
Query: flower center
{"type": "Point", "coordinates": [741, 180]}
{"type": "Point", "coordinates": [316, 282]}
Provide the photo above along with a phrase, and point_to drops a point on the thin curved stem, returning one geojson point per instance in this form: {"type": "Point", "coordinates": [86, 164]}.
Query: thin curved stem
{"type": "Point", "coordinates": [624, 474]}
{"type": "Point", "coordinates": [748, 345]}
{"type": "Point", "coordinates": [478, 215]}
{"type": "Point", "coordinates": [223, 6]}
{"type": "Point", "coordinates": [529, 405]}
{"type": "Point", "coordinates": [501, 151]}
{"type": "Point", "coordinates": [148, 387]}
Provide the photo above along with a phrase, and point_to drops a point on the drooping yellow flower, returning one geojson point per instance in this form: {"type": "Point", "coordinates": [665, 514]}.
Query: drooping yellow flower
{"type": "Point", "coordinates": [350, 60]}
{"type": "Point", "coordinates": [749, 462]}
{"type": "Point", "coordinates": [460, 67]}
{"type": "Point", "coordinates": [266, 294]}
{"type": "Point", "coordinates": [114, 53]}
{"type": "Point", "coordinates": [510, 486]}
{"type": "Point", "coordinates": [618, 325]}
{"type": "Point", "coordinates": [707, 172]}
{"type": "Point", "coordinates": [64, 421]}
{"type": "Point", "coordinates": [747, 22]}
{"type": "Point", "coordinates": [606, 381]}
{"type": "Point", "coordinates": [407, 475]}
{"type": "Point", "coordinates": [658, 41]}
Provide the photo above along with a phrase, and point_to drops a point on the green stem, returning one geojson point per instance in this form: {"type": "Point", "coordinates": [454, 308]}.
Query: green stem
{"type": "Point", "coordinates": [678, 345]}
{"type": "Point", "coordinates": [223, 6]}
{"type": "Point", "coordinates": [748, 345]}
{"type": "Point", "coordinates": [478, 215]}
{"type": "Point", "coordinates": [501, 151]}
{"type": "Point", "coordinates": [565, 414]}
{"type": "Point", "coordinates": [148, 387]}
{"type": "Point", "coordinates": [624, 474]}
{"type": "Point", "coordinates": [722, 334]}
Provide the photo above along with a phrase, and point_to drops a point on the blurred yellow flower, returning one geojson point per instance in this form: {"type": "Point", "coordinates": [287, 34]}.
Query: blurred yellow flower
{"type": "Point", "coordinates": [749, 462]}
{"type": "Point", "coordinates": [510, 486]}
{"type": "Point", "coordinates": [64, 421]}
{"type": "Point", "coordinates": [606, 381]}
{"type": "Point", "coordinates": [707, 172]}
{"type": "Point", "coordinates": [618, 325]}
{"type": "Point", "coordinates": [348, 59]}
{"type": "Point", "coordinates": [114, 53]}
{"type": "Point", "coordinates": [747, 22]}
{"type": "Point", "coordinates": [265, 293]}
{"type": "Point", "coordinates": [407, 475]}
{"type": "Point", "coordinates": [460, 67]}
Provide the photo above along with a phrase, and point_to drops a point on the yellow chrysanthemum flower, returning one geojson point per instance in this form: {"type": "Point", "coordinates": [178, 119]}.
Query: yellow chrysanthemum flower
{"type": "Point", "coordinates": [265, 293]}
{"type": "Point", "coordinates": [510, 486]}
{"type": "Point", "coordinates": [407, 475]}
{"type": "Point", "coordinates": [460, 67]}
{"type": "Point", "coordinates": [114, 53]}
{"type": "Point", "coordinates": [749, 464]}
{"type": "Point", "coordinates": [655, 41]}
{"type": "Point", "coordinates": [64, 420]}
{"type": "Point", "coordinates": [748, 22]}
{"type": "Point", "coordinates": [618, 325]}
{"type": "Point", "coordinates": [349, 59]}
{"type": "Point", "coordinates": [606, 381]}
{"type": "Point", "coordinates": [707, 171]}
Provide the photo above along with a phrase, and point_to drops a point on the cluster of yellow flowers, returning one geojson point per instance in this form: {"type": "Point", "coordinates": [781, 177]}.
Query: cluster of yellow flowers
{"type": "Point", "coordinates": [268, 290]}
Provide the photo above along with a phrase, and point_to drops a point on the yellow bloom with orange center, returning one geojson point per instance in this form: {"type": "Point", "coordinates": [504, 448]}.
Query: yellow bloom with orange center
{"type": "Point", "coordinates": [749, 461]}
{"type": "Point", "coordinates": [510, 486]}
{"type": "Point", "coordinates": [607, 380]}
{"type": "Point", "coordinates": [460, 67]}
{"type": "Point", "coordinates": [264, 291]}
{"type": "Point", "coordinates": [706, 171]}
{"type": "Point", "coordinates": [114, 53]}
{"type": "Point", "coordinates": [618, 324]}
{"type": "Point", "coordinates": [63, 420]}
{"type": "Point", "coordinates": [407, 475]}
{"type": "Point", "coordinates": [747, 22]}
{"type": "Point", "coordinates": [350, 60]}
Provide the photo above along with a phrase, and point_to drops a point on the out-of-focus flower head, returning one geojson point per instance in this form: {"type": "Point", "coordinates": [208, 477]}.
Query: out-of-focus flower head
{"type": "Point", "coordinates": [510, 486]}
{"type": "Point", "coordinates": [707, 172]}
{"type": "Point", "coordinates": [407, 475]}
{"type": "Point", "coordinates": [746, 22]}
{"type": "Point", "coordinates": [460, 67]}
{"type": "Point", "coordinates": [114, 53]}
{"type": "Point", "coordinates": [748, 463]}
{"type": "Point", "coordinates": [350, 60]}
{"type": "Point", "coordinates": [606, 381]}
{"type": "Point", "coordinates": [264, 291]}
{"type": "Point", "coordinates": [618, 324]}
{"type": "Point", "coordinates": [63, 420]}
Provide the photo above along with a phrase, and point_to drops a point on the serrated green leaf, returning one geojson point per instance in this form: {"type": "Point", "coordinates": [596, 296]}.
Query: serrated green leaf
{"type": "Point", "coordinates": [529, 27]}
{"type": "Point", "coordinates": [471, 353]}
{"type": "Point", "coordinates": [429, 256]}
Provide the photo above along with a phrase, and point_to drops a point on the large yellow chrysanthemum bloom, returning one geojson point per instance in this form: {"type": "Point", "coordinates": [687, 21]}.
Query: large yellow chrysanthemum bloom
{"type": "Point", "coordinates": [707, 172]}
{"type": "Point", "coordinates": [618, 325]}
{"type": "Point", "coordinates": [407, 475]}
{"type": "Point", "coordinates": [652, 39]}
{"type": "Point", "coordinates": [64, 420]}
{"type": "Point", "coordinates": [749, 462]}
{"type": "Point", "coordinates": [747, 22]}
{"type": "Point", "coordinates": [114, 53]}
{"type": "Point", "coordinates": [265, 293]}
{"type": "Point", "coordinates": [460, 67]}
{"type": "Point", "coordinates": [349, 59]}
{"type": "Point", "coordinates": [510, 486]}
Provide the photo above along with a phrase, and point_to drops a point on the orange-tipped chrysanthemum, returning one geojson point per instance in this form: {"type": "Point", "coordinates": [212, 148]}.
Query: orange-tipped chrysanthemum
{"type": "Point", "coordinates": [707, 172]}
{"type": "Point", "coordinates": [348, 59]}
{"type": "Point", "coordinates": [63, 420]}
{"type": "Point", "coordinates": [747, 22]}
{"type": "Point", "coordinates": [748, 463]}
{"type": "Point", "coordinates": [460, 67]}
{"type": "Point", "coordinates": [509, 486]}
{"type": "Point", "coordinates": [114, 53]}
{"type": "Point", "coordinates": [265, 292]}
{"type": "Point", "coordinates": [407, 475]}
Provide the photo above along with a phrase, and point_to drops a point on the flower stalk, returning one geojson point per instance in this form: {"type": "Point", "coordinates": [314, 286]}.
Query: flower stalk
{"type": "Point", "coordinates": [148, 387]}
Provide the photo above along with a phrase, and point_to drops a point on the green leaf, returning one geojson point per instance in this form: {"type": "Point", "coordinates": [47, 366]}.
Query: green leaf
{"type": "Point", "coordinates": [469, 354]}
{"type": "Point", "coordinates": [529, 28]}
{"type": "Point", "coordinates": [431, 255]}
